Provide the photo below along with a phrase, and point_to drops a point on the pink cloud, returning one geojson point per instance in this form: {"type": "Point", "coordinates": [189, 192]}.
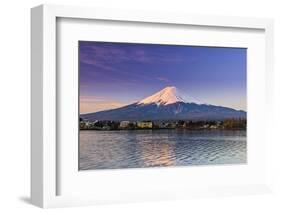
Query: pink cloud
{"type": "Point", "coordinates": [97, 103]}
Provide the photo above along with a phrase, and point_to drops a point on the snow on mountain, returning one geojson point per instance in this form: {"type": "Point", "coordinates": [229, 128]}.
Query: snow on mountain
{"type": "Point", "coordinates": [168, 95]}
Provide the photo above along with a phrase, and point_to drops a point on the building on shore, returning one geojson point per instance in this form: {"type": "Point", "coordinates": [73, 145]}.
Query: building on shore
{"type": "Point", "coordinates": [124, 124]}
{"type": "Point", "coordinates": [145, 124]}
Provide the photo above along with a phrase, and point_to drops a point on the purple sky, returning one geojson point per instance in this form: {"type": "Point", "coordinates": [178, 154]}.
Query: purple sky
{"type": "Point", "coordinates": [117, 74]}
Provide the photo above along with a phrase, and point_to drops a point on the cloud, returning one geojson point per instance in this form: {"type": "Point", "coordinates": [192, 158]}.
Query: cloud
{"type": "Point", "coordinates": [105, 55]}
{"type": "Point", "coordinates": [97, 103]}
{"type": "Point", "coordinates": [91, 98]}
{"type": "Point", "coordinates": [162, 79]}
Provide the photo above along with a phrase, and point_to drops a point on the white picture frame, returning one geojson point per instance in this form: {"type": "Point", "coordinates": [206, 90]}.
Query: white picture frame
{"type": "Point", "coordinates": [45, 168]}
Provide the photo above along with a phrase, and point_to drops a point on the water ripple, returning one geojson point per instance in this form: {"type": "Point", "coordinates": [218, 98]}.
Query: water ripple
{"type": "Point", "coordinates": [148, 148]}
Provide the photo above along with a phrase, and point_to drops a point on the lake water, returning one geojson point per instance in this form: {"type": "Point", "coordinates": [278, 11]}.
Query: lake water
{"type": "Point", "coordinates": [156, 148]}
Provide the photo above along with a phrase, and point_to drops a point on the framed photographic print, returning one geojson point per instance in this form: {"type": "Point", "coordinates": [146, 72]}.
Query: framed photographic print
{"type": "Point", "coordinates": [149, 106]}
{"type": "Point", "coordinates": [121, 129]}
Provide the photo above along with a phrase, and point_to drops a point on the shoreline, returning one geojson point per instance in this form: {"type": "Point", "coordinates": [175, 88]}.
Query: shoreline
{"type": "Point", "coordinates": [198, 129]}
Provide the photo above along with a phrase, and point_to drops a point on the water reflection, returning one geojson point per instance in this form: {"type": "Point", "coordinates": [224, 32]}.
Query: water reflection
{"type": "Point", "coordinates": [148, 148]}
{"type": "Point", "coordinates": [154, 153]}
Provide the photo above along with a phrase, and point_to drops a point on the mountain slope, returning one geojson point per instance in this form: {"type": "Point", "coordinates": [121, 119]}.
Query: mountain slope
{"type": "Point", "coordinates": [167, 104]}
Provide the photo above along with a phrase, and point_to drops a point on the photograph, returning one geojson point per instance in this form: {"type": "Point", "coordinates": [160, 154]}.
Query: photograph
{"type": "Point", "coordinates": [144, 105]}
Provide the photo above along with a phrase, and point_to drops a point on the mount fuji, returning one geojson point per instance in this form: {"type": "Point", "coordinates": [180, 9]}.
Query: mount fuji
{"type": "Point", "coordinates": [167, 104]}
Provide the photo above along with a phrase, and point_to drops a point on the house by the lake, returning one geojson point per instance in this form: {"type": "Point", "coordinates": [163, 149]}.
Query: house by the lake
{"type": "Point", "coordinates": [144, 124]}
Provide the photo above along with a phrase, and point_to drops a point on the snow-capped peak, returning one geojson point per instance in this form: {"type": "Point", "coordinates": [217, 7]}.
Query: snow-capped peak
{"type": "Point", "coordinates": [168, 95]}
